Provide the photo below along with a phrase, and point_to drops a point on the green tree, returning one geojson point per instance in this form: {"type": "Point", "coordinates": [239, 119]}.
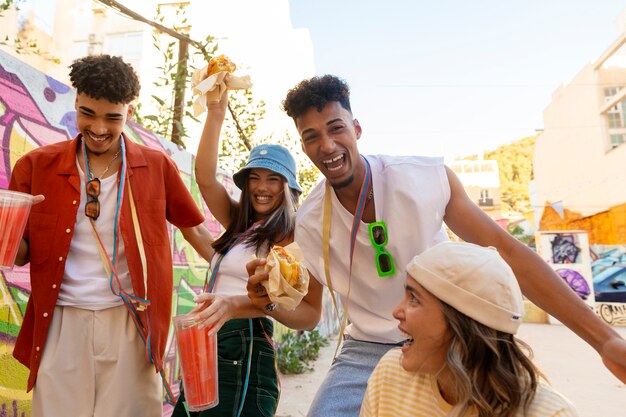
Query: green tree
{"type": "Point", "coordinates": [176, 70]}
{"type": "Point", "coordinates": [515, 163]}
{"type": "Point", "coordinates": [308, 174]}
{"type": "Point", "coordinates": [239, 132]}
{"type": "Point", "coordinates": [518, 233]}
{"type": "Point", "coordinates": [7, 4]}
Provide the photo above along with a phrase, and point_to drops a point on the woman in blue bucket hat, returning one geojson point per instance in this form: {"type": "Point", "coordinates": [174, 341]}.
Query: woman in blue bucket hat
{"type": "Point", "coordinates": [263, 216]}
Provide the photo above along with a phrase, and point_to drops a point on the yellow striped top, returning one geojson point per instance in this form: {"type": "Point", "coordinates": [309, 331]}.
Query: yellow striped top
{"type": "Point", "coordinates": [394, 392]}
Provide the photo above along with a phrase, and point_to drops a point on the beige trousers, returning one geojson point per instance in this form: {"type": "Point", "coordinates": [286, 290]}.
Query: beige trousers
{"type": "Point", "coordinates": [94, 365]}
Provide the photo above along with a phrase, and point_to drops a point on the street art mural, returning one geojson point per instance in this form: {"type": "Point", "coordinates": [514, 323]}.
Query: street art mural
{"type": "Point", "coordinates": [568, 255]}
{"type": "Point", "coordinates": [609, 282]}
{"type": "Point", "coordinates": [36, 110]}
{"type": "Point", "coordinates": [576, 282]}
{"type": "Point", "coordinates": [596, 273]}
{"type": "Point", "coordinates": [564, 249]}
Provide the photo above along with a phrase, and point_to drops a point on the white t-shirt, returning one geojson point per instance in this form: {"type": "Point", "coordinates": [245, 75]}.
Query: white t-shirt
{"type": "Point", "coordinates": [394, 392]}
{"type": "Point", "coordinates": [410, 194]}
{"type": "Point", "coordinates": [85, 282]}
{"type": "Point", "coordinates": [232, 276]}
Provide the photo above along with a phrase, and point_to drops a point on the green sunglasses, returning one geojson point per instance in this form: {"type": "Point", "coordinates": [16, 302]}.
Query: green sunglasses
{"type": "Point", "coordinates": [384, 260]}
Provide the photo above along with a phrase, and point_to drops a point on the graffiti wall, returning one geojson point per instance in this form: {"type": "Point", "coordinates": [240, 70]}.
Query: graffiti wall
{"type": "Point", "coordinates": [36, 110]}
{"type": "Point", "coordinates": [596, 273]}
{"type": "Point", "coordinates": [608, 264]}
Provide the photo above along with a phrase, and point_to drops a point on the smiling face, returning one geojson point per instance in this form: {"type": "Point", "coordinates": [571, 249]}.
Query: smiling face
{"type": "Point", "coordinates": [329, 140]}
{"type": "Point", "coordinates": [421, 318]}
{"type": "Point", "coordinates": [101, 123]}
{"type": "Point", "coordinates": [266, 189]}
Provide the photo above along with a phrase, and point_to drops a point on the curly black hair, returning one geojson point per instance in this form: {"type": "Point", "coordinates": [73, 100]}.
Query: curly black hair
{"type": "Point", "coordinates": [105, 76]}
{"type": "Point", "coordinates": [316, 92]}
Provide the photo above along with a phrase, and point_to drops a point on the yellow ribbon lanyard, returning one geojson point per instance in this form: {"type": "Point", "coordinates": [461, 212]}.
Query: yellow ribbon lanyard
{"type": "Point", "coordinates": [326, 244]}
{"type": "Point", "coordinates": [142, 250]}
{"type": "Point", "coordinates": [106, 261]}
{"type": "Point", "coordinates": [139, 304]}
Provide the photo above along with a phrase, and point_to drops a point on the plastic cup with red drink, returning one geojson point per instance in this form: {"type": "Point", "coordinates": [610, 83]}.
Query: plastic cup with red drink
{"type": "Point", "coordinates": [198, 359]}
{"type": "Point", "coordinates": [14, 211]}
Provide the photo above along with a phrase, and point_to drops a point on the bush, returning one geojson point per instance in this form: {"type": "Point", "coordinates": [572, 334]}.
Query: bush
{"type": "Point", "coordinates": [295, 351]}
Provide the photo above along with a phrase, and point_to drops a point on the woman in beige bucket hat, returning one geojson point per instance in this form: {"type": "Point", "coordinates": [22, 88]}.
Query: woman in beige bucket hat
{"type": "Point", "coordinates": [461, 309]}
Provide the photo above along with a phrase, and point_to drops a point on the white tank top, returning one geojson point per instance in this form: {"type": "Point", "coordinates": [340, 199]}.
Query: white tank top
{"type": "Point", "coordinates": [85, 282]}
{"type": "Point", "coordinates": [232, 276]}
{"type": "Point", "coordinates": [411, 194]}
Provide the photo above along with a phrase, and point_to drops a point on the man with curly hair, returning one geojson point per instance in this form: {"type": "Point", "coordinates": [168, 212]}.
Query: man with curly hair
{"type": "Point", "coordinates": [97, 320]}
{"type": "Point", "coordinates": [366, 220]}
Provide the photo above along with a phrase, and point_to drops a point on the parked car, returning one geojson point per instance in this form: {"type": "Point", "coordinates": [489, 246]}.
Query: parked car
{"type": "Point", "coordinates": [610, 284]}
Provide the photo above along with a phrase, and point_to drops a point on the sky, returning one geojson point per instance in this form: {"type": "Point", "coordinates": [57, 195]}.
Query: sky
{"type": "Point", "coordinates": [453, 78]}
{"type": "Point", "coordinates": [449, 77]}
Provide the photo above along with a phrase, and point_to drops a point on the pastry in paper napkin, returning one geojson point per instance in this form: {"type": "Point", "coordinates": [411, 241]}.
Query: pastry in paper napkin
{"type": "Point", "coordinates": [212, 81]}
{"type": "Point", "coordinates": [288, 279]}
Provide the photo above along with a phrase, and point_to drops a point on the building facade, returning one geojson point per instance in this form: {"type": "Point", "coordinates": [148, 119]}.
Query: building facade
{"type": "Point", "coordinates": [580, 157]}
{"type": "Point", "coordinates": [481, 180]}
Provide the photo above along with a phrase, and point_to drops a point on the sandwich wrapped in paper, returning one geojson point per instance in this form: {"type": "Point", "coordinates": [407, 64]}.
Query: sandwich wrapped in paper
{"type": "Point", "coordinates": [212, 81]}
{"type": "Point", "coordinates": [288, 279]}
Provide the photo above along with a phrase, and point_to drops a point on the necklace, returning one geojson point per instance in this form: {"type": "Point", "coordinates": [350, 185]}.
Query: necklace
{"type": "Point", "coordinates": [108, 165]}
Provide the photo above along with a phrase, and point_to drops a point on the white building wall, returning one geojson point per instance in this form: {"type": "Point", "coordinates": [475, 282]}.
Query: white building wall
{"type": "Point", "coordinates": [573, 161]}
{"type": "Point", "coordinates": [12, 27]}
{"type": "Point", "coordinates": [85, 26]}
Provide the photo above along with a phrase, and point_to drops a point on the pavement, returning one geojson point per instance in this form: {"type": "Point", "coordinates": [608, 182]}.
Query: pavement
{"type": "Point", "coordinates": [572, 366]}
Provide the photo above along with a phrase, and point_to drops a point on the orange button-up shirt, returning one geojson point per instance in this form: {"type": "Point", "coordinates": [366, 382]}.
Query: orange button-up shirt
{"type": "Point", "coordinates": [159, 194]}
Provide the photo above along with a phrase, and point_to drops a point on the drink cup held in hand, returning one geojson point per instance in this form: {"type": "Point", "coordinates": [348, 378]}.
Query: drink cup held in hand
{"type": "Point", "coordinates": [14, 211]}
{"type": "Point", "coordinates": [198, 359]}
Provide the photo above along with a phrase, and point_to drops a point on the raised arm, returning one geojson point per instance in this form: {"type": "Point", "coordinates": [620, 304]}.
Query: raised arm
{"type": "Point", "coordinates": [537, 280]}
{"type": "Point", "coordinates": [215, 195]}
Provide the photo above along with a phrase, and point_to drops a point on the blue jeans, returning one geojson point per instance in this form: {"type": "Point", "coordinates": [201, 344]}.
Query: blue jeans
{"type": "Point", "coordinates": [343, 389]}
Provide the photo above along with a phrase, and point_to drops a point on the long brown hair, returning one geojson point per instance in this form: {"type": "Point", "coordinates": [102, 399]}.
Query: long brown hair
{"type": "Point", "coordinates": [278, 226]}
{"type": "Point", "coordinates": [490, 368]}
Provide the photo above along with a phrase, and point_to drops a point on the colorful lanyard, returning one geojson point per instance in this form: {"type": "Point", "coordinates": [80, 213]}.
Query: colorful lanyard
{"type": "Point", "coordinates": [356, 222]}
{"type": "Point", "coordinates": [133, 303]}
{"type": "Point", "coordinates": [110, 265]}
{"type": "Point", "coordinates": [209, 286]}
{"type": "Point", "coordinates": [209, 283]}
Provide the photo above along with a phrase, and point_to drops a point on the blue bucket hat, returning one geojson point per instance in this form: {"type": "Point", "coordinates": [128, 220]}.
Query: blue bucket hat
{"type": "Point", "coordinates": [276, 158]}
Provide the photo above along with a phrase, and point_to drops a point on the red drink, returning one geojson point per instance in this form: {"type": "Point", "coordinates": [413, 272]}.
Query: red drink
{"type": "Point", "coordinates": [14, 210]}
{"type": "Point", "coordinates": [198, 359]}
